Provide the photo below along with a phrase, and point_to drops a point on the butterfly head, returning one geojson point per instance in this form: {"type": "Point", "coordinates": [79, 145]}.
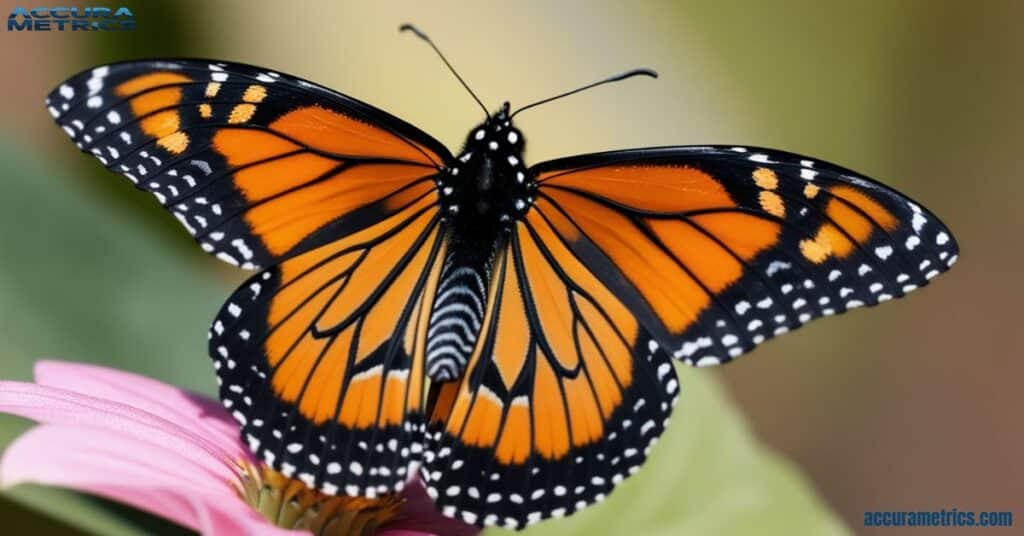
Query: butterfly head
{"type": "Point", "coordinates": [488, 181]}
{"type": "Point", "coordinates": [498, 134]}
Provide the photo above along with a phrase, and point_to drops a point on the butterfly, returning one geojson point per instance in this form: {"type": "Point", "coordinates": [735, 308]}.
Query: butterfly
{"type": "Point", "coordinates": [508, 331]}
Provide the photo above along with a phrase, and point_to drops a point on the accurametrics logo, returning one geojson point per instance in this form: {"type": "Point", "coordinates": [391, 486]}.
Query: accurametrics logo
{"type": "Point", "coordinates": [70, 19]}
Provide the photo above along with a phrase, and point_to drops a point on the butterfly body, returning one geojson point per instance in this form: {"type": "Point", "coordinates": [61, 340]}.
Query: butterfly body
{"type": "Point", "coordinates": [484, 191]}
{"type": "Point", "coordinates": [547, 302]}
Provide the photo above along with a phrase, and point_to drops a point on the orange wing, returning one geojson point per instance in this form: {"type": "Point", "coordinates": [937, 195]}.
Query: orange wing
{"type": "Point", "coordinates": [717, 249]}
{"type": "Point", "coordinates": [562, 397]}
{"type": "Point", "coordinates": [258, 166]}
{"type": "Point", "coordinates": [320, 359]}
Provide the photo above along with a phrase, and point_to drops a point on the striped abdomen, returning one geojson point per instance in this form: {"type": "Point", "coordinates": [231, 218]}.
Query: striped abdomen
{"type": "Point", "coordinates": [455, 320]}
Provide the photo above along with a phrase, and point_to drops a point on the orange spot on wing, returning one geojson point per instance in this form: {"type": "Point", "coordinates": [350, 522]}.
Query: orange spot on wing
{"type": "Point", "coordinates": [766, 178]}
{"type": "Point", "coordinates": [858, 221]}
{"type": "Point", "coordinates": [656, 188]}
{"type": "Point", "coordinates": [241, 113]}
{"type": "Point", "coordinates": [161, 124]}
{"type": "Point", "coordinates": [851, 220]}
{"type": "Point", "coordinates": [831, 238]}
{"type": "Point", "coordinates": [584, 415]}
{"type": "Point", "coordinates": [816, 250]}
{"type": "Point", "coordinates": [147, 81]}
{"type": "Point", "coordinates": [320, 401]}
{"type": "Point", "coordinates": [205, 111]}
{"type": "Point", "coordinates": [254, 93]}
{"type": "Point", "coordinates": [511, 335]}
{"type": "Point", "coordinates": [445, 401]}
{"type": "Point", "coordinates": [414, 394]}
{"type": "Point", "coordinates": [863, 201]}
{"type": "Point", "coordinates": [155, 100]}
{"type": "Point", "coordinates": [772, 203]}
{"type": "Point", "coordinates": [393, 402]}
{"type": "Point", "coordinates": [514, 445]}
{"type": "Point", "coordinates": [481, 427]}
{"type": "Point", "coordinates": [212, 89]}
{"type": "Point", "coordinates": [359, 409]}
{"type": "Point", "coordinates": [745, 234]}
{"type": "Point", "coordinates": [334, 132]}
{"type": "Point", "coordinates": [456, 416]}
{"type": "Point", "coordinates": [551, 429]}
{"type": "Point", "coordinates": [244, 146]}
{"type": "Point", "coordinates": [609, 395]}
{"type": "Point", "coordinates": [174, 143]}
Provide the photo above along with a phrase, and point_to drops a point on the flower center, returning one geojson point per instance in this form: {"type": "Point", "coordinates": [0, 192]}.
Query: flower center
{"type": "Point", "coordinates": [289, 504]}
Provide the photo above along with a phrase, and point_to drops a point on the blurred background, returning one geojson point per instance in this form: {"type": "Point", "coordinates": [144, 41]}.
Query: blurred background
{"type": "Point", "coordinates": [910, 406]}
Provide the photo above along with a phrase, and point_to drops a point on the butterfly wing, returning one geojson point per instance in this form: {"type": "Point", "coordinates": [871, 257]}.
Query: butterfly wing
{"type": "Point", "coordinates": [624, 259]}
{"type": "Point", "coordinates": [562, 397]}
{"type": "Point", "coordinates": [717, 249]}
{"type": "Point", "coordinates": [256, 165]}
{"type": "Point", "coordinates": [320, 358]}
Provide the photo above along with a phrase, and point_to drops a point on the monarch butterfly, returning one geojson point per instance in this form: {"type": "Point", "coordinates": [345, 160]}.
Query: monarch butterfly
{"type": "Point", "coordinates": [507, 329]}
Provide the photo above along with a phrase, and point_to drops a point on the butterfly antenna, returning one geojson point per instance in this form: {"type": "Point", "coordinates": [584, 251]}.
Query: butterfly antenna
{"type": "Point", "coordinates": [419, 33]}
{"type": "Point", "coordinates": [628, 74]}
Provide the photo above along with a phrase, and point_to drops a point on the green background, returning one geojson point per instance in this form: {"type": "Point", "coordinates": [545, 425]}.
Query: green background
{"type": "Point", "coordinates": [912, 405]}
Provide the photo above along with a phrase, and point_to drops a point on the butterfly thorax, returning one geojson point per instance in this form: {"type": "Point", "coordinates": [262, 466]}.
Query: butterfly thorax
{"type": "Point", "coordinates": [487, 185]}
{"type": "Point", "coordinates": [483, 192]}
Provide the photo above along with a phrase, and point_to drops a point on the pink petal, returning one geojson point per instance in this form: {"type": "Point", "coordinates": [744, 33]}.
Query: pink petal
{"type": "Point", "coordinates": [221, 521]}
{"type": "Point", "coordinates": [184, 408]}
{"type": "Point", "coordinates": [154, 447]}
{"type": "Point", "coordinates": [50, 405]}
{"type": "Point", "coordinates": [420, 518]}
{"type": "Point", "coordinates": [145, 474]}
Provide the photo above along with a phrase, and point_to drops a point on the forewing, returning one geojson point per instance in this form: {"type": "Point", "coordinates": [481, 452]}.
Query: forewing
{"type": "Point", "coordinates": [717, 249]}
{"type": "Point", "coordinates": [258, 166]}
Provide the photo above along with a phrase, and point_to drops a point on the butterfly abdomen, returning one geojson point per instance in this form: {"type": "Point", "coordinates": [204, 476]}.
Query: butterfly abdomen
{"type": "Point", "coordinates": [457, 316]}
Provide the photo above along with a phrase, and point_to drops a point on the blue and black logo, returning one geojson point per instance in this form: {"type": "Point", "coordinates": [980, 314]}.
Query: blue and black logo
{"type": "Point", "coordinates": [73, 19]}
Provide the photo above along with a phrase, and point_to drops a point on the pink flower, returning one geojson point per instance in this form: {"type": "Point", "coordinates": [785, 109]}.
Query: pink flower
{"type": "Point", "coordinates": [177, 455]}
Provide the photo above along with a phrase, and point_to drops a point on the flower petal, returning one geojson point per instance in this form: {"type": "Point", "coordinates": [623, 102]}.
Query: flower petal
{"type": "Point", "coordinates": [58, 406]}
{"type": "Point", "coordinates": [421, 518]}
{"type": "Point", "coordinates": [184, 408]}
{"type": "Point", "coordinates": [228, 522]}
{"type": "Point", "coordinates": [148, 475]}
